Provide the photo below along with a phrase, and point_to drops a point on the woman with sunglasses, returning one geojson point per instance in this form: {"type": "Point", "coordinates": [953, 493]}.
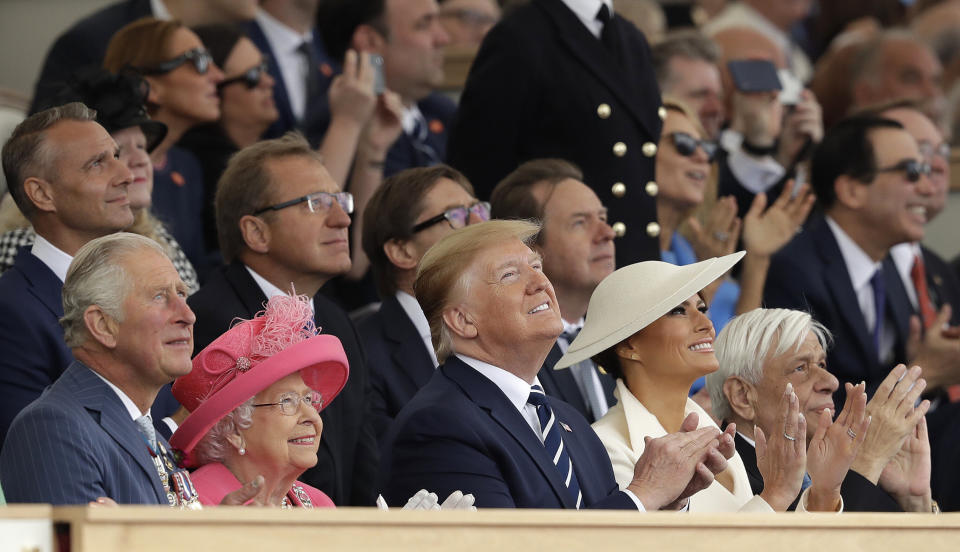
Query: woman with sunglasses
{"type": "Point", "coordinates": [183, 93]}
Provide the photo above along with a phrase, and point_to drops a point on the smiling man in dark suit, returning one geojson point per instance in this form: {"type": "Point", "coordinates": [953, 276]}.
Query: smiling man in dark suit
{"type": "Point", "coordinates": [64, 176]}
{"type": "Point", "coordinates": [283, 225]}
{"type": "Point", "coordinates": [410, 212]}
{"type": "Point", "coordinates": [482, 423]}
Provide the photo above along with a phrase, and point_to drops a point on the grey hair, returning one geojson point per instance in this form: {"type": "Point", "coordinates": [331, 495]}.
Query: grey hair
{"type": "Point", "coordinates": [27, 152]}
{"type": "Point", "coordinates": [744, 346]}
{"type": "Point", "coordinates": [213, 446]}
{"type": "Point", "coordinates": [690, 44]}
{"type": "Point", "coordinates": [97, 277]}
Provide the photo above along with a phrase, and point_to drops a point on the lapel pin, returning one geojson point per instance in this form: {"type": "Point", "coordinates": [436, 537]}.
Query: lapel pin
{"type": "Point", "coordinates": [566, 427]}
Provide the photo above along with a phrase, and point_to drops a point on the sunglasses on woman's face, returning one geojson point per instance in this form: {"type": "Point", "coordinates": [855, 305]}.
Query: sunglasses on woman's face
{"type": "Point", "coordinates": [251, 77]}
{"type": "Point", "coordinates": [911, 168]}
{"type": "Point", "coordinates": [686, 145]}
{"type": "Point", "coordinates": [199, 57]}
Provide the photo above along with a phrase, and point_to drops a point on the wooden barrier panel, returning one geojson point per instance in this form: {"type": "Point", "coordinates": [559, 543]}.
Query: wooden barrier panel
{"type": "Point", "coordinates": [231, 529]}
{"type": "Point", "coordinates": [26, 528]}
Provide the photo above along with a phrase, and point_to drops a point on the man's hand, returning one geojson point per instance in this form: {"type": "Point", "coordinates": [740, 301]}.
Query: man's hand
{"type": "Point", "coordinates": [907, 475]}
{"type": "Point", "coordinates": [803, 122]}
{"type": "Point", "coordinates": [351, 93]}
{"type": "Point", "coordinates": [384, 127]}
{"type": "Point", "coordinates": [782, 457]}
{"type": "Point", "coordinates": [894, 418]}
{"type": "Point", "coordinates": [938, 352]}
{"type": "Point", "coordinates": [253, 490]}
{"type": "Point", "coordinates": [833, 448]}
{"type": "Point", "coordinates": [765, 232]}
{"type": "Point", "coordinates": [675, 466]}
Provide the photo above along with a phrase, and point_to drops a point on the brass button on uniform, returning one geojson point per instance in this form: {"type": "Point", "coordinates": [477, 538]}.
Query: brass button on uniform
{"type": "Point", "coordinates": [620, 149]}
{"type": "Point", "coordinates": [603, 111]}
{"type": "Point", "coordinates": [649, 149]}
{"type": "Point", "coordinates": [651, 188]}
{"type": "Point", "coordinates": [619, 189]}
{"type": "Point", "coordinates": [619, 229]}
{"type": "Point", "coordinates": [653, 229]}
{"type": "Point", "coordinates": [662, 112]}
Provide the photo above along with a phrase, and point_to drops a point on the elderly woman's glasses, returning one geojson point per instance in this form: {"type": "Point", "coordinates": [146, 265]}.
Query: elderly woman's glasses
{"type": "Point", "coordinates": [199, 57]}
{"type": "Point", "coordinates": [289, 403]}
{"type": "Point", "coordinates": [911, 168]}
{"type": "Point", "coordinates": [686, 145]}
{"type": "Point", "coordinates": [250, 78]}
{"type": "Point", "coordinates": [457, 217]}
{"type": "Point", "coordinates": [318, 202]}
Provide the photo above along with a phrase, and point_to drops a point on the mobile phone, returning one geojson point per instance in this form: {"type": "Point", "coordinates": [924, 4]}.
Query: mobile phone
{"type": "Point", "coordinates": [792, 87]}
{"type": "Point", "coordinates": [754, 75]}
{"type": "Point", "coordinates": [379, 82]}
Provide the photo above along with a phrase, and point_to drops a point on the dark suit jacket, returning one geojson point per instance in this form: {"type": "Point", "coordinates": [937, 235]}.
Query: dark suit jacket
{"type": "Point", "coordinates": [76, 443]}
{"type": "Point", "coordinates": [809, 274]}
{"type": "Point", "coordinates": [399, 362]}
{"type": "Point", "coordinates": [439, 111]}
{"type": "Point", "coordinates": [317, 116]}
{"type": "Point", "coordinates": [859, 494]}
{"type": "Point", "coordinates": [32, 351]}
{"type": "Point", "coordinates": [943, 284]}
{"type": "Point", "coordinates": [348, 458]}
{"type": "Point", "coordinates": [83, 45]}
{"type": "Point", "coordinates": [561, 384]}
{"type": "Point", "coordinates": [461, 432]}
{"type": "Point", "coordinates": [536, 89]}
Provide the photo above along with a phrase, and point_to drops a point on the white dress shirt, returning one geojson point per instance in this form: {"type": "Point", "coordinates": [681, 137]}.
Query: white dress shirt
{"type": "Point", "coordinates": [414, 312]}
{"type": "Point", "coordinates": [861, 268]}
{"type": "Point", "coordinates": [517, 392]}
{"type": "Point", "coordinates": [159, 10]}
{"type": "Point", "coordinates": [285, 43]}
{"type": "Point", "coordinates": [128, 403]}
{"type": "Point", "coordinates": [586, 11]}
{"type": "Point", "coordinates": [55, 259]}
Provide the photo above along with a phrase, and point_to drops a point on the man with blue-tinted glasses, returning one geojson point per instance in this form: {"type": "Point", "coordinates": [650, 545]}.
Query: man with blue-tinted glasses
{"type": "Point", "coordinates": [283, 225]}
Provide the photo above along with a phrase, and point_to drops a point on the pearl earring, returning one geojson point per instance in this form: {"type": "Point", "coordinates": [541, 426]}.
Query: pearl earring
{"type": "Point", "coordinates": [242, 451]}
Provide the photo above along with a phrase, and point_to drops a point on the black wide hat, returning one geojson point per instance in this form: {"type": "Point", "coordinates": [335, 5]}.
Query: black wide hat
{"type": "Point", "coordinates": [119, 101]}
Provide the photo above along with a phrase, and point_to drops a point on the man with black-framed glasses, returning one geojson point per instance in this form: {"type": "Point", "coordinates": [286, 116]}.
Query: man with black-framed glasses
{"type": "Point", "coordinates": [410, 212]}
{"type": "Point", "coordinates": [283, 225]}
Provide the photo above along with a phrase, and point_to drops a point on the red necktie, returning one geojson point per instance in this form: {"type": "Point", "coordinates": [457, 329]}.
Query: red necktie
{"type": "Point", "coordinates": [919, 276]}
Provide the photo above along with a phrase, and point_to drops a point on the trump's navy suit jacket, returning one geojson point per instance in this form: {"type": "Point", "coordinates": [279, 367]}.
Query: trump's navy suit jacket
{"type": "Point", "coordinates": [75, 443]}
{"type": "Point", "coordinates": [461, 432]}
{"type": "Point", "coordinates": [32, 351]}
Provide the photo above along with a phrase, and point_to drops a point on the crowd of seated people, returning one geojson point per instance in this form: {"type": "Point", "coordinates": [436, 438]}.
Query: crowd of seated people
{"type": "Point", "coordinates": [262, 253]}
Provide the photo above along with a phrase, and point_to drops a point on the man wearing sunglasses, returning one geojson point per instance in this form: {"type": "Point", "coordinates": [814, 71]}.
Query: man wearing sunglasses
{"type": "Point", "coordinates": [409, 213]}
{"type": "Point", "coordinates": [873, 187]}
{"type": "Point", "coordinates": [283, 225]}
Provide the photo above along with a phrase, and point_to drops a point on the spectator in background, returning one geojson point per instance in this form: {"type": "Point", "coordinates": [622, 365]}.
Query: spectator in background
{"type": "Point", "coordinates": [685, 63]}
{"type": "Point", "coordinates": [467, 21]}
{"type": "Point", "coordinates": [183, 94]}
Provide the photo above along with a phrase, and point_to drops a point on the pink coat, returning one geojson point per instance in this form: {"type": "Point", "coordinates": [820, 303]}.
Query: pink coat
{"type": "Point", "coordinates": [214, 481]}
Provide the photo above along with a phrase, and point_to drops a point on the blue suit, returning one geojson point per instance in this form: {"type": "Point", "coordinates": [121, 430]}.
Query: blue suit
{"type": "Point", "coordinates": [461, 432]}
{"type": "Point", "coordinates": [75, 443]}
{"type": "Point", "coordinates": [32, 351]}
{"type": "Point", "coordinates": [439, 111]}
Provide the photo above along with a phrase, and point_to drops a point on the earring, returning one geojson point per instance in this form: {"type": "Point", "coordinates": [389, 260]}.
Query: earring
{"type": "Point", "coordinates": [242, 451]}
{"type": "Point", "coordinates": [634, 356]}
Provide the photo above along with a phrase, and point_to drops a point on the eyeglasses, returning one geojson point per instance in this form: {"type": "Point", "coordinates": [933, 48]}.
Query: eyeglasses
{"type": "Point", "coordinates": [289, 403]}
{"type": "Point", "coordinates": [912, 169]}
{"type": "Point", "coordinates": [471, 18]}
{"type": "Point", "coordinates": [251, 77]}
{"type": "Point", "coordinates": [318, 202]}
{"type": "Point", "coordinates": [928, 150]}
{"type": "Point", "coordinates": [199, 57]}
{"type": "Point", "coordinates": [686, 145]}
{"type": "Point", "coordinates": [457, 217]}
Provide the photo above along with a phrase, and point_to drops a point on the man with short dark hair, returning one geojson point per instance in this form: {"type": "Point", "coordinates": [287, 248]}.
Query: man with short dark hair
{"type": "Point", "coordinates": [685, 63]}
{"type": "Point", "coordinates": [65, 177]}
{"type": "Point", "coordinates": [576, 243]}
{"type": "Point", "coordinates": [283, 225]}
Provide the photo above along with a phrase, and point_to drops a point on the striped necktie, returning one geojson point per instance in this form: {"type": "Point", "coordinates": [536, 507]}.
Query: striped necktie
{"type": "Point", "coordinates": [553, 442]}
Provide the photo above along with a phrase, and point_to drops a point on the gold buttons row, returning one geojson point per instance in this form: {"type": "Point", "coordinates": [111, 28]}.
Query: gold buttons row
{"type": "Point", "coordinates": [619, 229]}
{"type": "Point", "coordinates": [604, 111]}
{"type": "Point", "coordinates": [619, 189]}
{"type": "Point", "coordinates": [649, 149]}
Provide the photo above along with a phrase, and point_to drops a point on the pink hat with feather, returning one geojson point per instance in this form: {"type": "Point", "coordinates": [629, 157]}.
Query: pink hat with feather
{"type": "Point", "coordinates": [251, 356]}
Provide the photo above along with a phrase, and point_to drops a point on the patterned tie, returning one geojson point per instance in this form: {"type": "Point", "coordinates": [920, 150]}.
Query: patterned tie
{"type": "Point", "coordinates": [553, 442]}
{"type": "Point", "coordinates": [311, 114]}
{"type": "Point", "coordinates": [880, 304]}
{"type": "Point", "coordinates": [919, 276]}
{"type": "Point", "coordinates": [583, 374]}
{"type": "Point", "coordinates": [145, 425]}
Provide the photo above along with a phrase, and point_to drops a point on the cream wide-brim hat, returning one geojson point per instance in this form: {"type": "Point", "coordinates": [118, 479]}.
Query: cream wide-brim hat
{"type": "Point", "coordinates": [633, 297]}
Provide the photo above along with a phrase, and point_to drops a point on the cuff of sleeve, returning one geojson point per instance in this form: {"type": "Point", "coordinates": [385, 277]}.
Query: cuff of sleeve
{"type": "Point", "coordinates": [635, 500]}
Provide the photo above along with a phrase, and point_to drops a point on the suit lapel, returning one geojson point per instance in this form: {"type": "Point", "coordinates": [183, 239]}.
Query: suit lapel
{"type": "Point", "coordinates": [898, 304]}
{"type": "Point", "coordinates": [594, 56]}
{"type": "Point", "coordinates": [96, 396]}
{"type": "Point", "coordinates": [489, 397]}
{"type": "Point", "coordinates": [408, 352]}
{"type": "Point", "coordinates": [560, 383]}
{"type": "Point", "coordinates": [44, 284]}
{"type": "Point", "coordinates": [246, 289]}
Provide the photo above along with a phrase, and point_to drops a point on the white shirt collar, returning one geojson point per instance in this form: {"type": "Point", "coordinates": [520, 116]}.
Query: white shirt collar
{"type": "Point", "coordinates": [414, 312]}
{"type": "Point", "coordinates": [55, 259]}
{"type": "Point", "coordinates": [159, 10]}
{"type": "Point", "coordinates": [280, 37]}
{"type": "Point", "coordinates": [410, 117]}
{"type": "Point", "coordinates": [128, 403]}
{"type": "Point", "coordinates": [859, 265]}
{"type": "Point", "coordinates": [269, 290]}
{"type": "Point", "coordinates": [568, 328]}
{"type": "Point", "coordinates": [516, 390]}
{"type": "Point", "coordinates": [586, 12]}
{"type": "Point", "coordinates": [750, 441]}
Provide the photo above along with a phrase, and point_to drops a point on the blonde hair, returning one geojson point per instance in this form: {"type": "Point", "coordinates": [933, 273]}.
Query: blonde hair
{"type": "Point", "coordinates": [702, 211]}
{"type": "Point", "coordinates": [442, 269]}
